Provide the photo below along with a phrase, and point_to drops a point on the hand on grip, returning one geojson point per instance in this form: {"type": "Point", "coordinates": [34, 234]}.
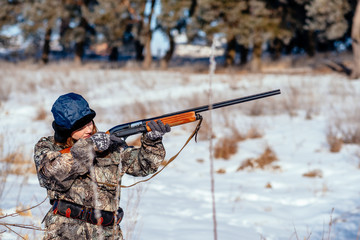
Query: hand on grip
{"type": "Point", "coordinates": [158, 129]}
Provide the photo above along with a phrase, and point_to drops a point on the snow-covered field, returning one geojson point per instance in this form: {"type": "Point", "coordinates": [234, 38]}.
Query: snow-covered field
{"type": "Point", "coordinates": [277, 201]}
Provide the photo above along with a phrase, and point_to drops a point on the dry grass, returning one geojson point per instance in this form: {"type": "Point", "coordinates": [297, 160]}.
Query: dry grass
{"type": "Point", "coordinates": [265, 160]}
{"type": "Point", "coordinates": [257, 108]}
{"type": "Point", "coordinates": [17, 164]}
{"type": "Point", "coordinates": [5, 90]}
{"type": "Point", "coordinates": [344, 128]}
{"type": "Point", "coordinates": [335, 143]}
{"type": "Point", "coordinates": [351, 135]}
{"type": "Point", "coordinates": [314, 173]}
{"type": "Point", "coordinates": [292, 102]}
{"type": "Point", "coordinates": [23, 210]}
{"type": "Point", "coordinates": [41, 114]}
{"type": "Point", "coordinates": [225, 148]}
{"type": "Point", "coordinates": [253, 132]}
{"type": "Point", "coordinates": [200, 160]}
{"type": "Point", "coordinates": [14, 227]}
{"type": "Point", "coordinates": [228, 146]}
{"type": "Point", "coordinates": [131, 222]}
{"type": "Point", "coordinates": [221, 171]}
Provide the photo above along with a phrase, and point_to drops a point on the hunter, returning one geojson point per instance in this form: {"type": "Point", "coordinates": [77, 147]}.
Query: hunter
{"type": "Point", "coordinates": [81, 170]}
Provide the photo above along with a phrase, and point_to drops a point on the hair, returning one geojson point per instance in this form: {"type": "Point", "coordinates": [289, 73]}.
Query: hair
{"type": "Point", "coordinates": [70, 141]}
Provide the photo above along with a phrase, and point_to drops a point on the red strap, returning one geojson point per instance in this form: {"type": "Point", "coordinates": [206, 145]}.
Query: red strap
{"type": "Point", "coordinates": [100, 221]}
{"type": "Point", "coordinates": [68, 212]}
{"type": "Point", "coordinates": [55, 211]}
{"type": "Point", "coordinates": [119, 220]}
{"type": "Point", "coordinates": [65, 150]}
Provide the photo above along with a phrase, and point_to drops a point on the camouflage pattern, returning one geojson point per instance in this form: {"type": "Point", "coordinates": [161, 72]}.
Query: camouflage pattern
{"type": "Point", "coordinates": [62, 228]}
{"type": "Point", "coordinates": [66, 176]}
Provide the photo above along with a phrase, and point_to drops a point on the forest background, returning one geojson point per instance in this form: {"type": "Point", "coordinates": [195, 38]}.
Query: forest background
{"type": "Point", "coordinates": [245, 31]}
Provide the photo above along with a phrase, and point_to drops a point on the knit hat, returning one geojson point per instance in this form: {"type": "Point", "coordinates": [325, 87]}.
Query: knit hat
{"type": "Point", "coordinates": [71, 112]}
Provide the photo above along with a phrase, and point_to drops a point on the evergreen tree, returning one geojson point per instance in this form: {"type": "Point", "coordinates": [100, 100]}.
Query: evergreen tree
{"type": "Point", "coordinates": [10, 14]}
{"type": "Point", "coordinates": [141, 12]}
{"type": "Point", "coordinates": [40, 18]}
{"type": "Point", "coordinates": [172, 20]}
{"type": "Point", "coordinates": [113, 20]}
{"type": "Point", "coordinates": [248, 23]}
{"type": "Point", "coordinates": [327, 19]}
{"type": "Point", "coordinates": [293, 17]}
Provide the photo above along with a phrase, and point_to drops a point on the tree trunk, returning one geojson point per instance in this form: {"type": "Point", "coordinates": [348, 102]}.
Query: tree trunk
{"type": "Point", "coordinates": [139, 48]}
{"type": "Point", "coordinates": [310, 46]}
{"type": "Point", "coordinates": [46, 48]}
{"type": "Point", "coordinates": [79, 52]}
{"type": "Point", "coordinates": [244, 51]}
{"type": "Point", "coordinates": [166, 59]}
{"type": "Point", "coordinates": [114, 54]}
{"type": "Point", "coordinates": [230, 52]}
{"type": "Point", "coordinates": [355, 35]}
{"type": "Point", "coordinates": [255, 65]}
{"type": "Point", "coordinates": [148, 55]}
{"type": "Point", "coordinates": [275, 49]}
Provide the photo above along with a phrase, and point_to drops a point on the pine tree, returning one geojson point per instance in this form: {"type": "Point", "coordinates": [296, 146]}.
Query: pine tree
{"type": "Point", "coordinates": [327, 18]}
{"type": "Point", "coordinates": [10, 12]}
{"type": "Point", "coordinates": [173, 20]}
{"type": "Point", "coordinates": [248, 23]}
{"type": "Point", "coordinates": [113, 19]}
{"type": "Point", "coordinates": [40, 17]}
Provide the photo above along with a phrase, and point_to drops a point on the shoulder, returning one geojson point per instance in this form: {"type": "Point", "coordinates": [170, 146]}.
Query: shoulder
{"type": "Point", "coordinates": [47, 142]}
{"type": "Point", "coordinates": [49, 139]}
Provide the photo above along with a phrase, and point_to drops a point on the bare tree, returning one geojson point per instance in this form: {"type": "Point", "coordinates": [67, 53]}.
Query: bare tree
{"type": "Point", "coordinates": [355, 35]}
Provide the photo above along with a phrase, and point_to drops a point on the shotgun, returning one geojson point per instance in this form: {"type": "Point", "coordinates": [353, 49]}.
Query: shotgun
{"type": "Point", "coordinates": [181, 117]}
{"type": "Point", "coordinates": [177, 118]}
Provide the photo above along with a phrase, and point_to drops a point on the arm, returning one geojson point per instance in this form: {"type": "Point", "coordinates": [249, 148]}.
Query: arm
{"type": "Point", "coordinates": [58, 171]}
{"type": "Point", "coordinates": [144, 160]}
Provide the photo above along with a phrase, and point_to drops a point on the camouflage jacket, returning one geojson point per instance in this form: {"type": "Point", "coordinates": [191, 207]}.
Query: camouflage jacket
{"type": "Point", "coordinates": [66, 176]}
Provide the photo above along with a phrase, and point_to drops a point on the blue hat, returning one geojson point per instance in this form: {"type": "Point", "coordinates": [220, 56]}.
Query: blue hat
{"type": "Point", "coordinates": [71, 112]}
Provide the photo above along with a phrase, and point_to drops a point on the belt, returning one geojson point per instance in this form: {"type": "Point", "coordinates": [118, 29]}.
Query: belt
{"type": "Point", "coordinates": [76, 211]}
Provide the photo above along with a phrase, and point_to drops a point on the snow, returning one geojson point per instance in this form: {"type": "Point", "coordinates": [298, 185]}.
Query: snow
{"type": "Point", "coordinates": [177, 203]}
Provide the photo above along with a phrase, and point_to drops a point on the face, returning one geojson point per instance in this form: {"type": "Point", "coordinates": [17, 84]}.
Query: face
{"type": "Point", "coordinates": [84, 132]}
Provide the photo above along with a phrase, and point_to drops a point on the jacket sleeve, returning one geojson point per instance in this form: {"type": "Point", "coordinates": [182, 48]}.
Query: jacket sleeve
{"type": "Point", "coordinates": [58, 171]}
{"type": "Point", "coordinates": [144, 160]}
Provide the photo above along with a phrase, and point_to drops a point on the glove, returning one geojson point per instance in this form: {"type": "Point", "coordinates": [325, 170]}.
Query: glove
{"type": "Point", "coordinates": [158, 129]}
{"type": "Point", "coordinates": [101, 141]}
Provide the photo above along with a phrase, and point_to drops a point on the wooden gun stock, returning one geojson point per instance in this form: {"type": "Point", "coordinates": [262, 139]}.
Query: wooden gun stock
{"type": "Point", "coordinates": [176, 120]}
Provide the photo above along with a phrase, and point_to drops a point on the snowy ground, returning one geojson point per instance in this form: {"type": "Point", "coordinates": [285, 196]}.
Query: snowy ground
{"type": "Point", "coordinates": [276, 202]}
